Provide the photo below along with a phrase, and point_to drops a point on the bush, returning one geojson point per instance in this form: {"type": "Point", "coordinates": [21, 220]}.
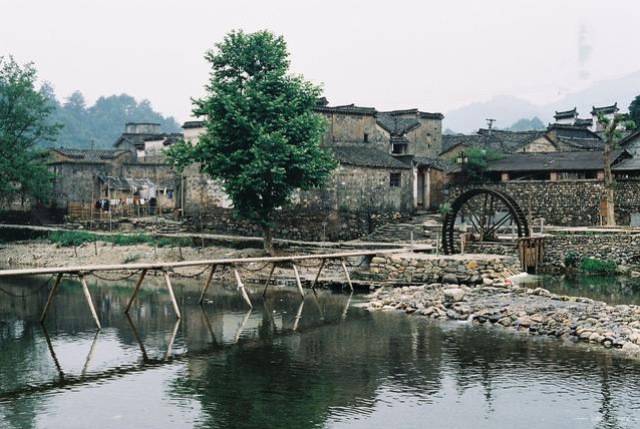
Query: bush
{"type": "Point", "coordinates": [70, 238]}
{"type": "Point", "coordinates": [570, 259]}
{"type": "Point", "coordinates": [598, 266]}
{"type": "Point", "coordinates": [444, 209]}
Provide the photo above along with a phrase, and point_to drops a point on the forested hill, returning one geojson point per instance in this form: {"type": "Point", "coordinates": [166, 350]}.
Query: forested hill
{"type": "Point", "coordinates": [101, 123]}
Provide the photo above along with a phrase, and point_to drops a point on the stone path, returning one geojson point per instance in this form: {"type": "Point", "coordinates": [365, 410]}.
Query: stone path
{"type": "Point", "coordinates": [424, 227]}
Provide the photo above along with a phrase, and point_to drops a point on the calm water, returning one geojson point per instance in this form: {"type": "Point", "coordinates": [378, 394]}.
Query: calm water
{"type": "Point", "coordinates": [289, 364]}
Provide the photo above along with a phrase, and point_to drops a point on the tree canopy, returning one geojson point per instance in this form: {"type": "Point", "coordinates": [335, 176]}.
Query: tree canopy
{"type": "Point", "coordinates": [100, 124]}
{"type": "Point", "coordinates": [634, 111]}
{"type": "Point", "coordinates": [24, 124]}
{"type": "Point", "coordinates": [262, 137]}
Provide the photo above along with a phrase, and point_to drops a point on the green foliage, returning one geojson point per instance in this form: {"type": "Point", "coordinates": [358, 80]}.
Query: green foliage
{"type": "Point", "coordinates": [262, 137]}
{"type": "Point", "coordinates": [634, 110]}
{"type": "Point", "coordinates": [77, 238]}
{"type": "Point", "coordinates": [598, 266]}
{"type": "Point", "coordinates": [571, 259]}
{"type": "Point", "coordinates": [24, 123]}
{"type": "Point", "coordinates": [478, 160]}
{"type": "Point", "coordinates": [103, 122]}
{"type": "Point", "coordinates": [130, 259]}
{"type": "Point", "coordinates": [70, 238]}
{"type": "Point", "coordinates": [444, 209]}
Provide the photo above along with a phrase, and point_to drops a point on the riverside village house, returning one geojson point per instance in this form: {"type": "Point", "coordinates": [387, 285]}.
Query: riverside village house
{"type": "Point", "coordinates": [387, 164]}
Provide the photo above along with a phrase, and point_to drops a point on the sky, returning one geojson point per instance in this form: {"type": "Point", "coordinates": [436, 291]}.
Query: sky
{"type": "Point", "coordinates": [433, 55]}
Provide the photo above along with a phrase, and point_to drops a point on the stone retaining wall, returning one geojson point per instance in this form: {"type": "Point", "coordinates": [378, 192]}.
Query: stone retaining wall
{"type": "Point", "coordinates": [457, 269]}
{"type": "Point", "coordinates": [306, 225]}
{"type": "Point", "coordinates": [566, 203]}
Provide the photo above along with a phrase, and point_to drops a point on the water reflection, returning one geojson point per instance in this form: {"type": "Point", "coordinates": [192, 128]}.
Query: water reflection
{"type": "Point", "coordinates": [612, 290]}
{"type": "Point", "coordinates": [317, 362]}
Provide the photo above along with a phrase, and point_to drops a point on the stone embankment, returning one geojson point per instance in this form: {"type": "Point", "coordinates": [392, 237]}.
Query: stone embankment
{"type": "Point", "coordinates": [508, 306]}
{"type": "Point", "coordinates": [455, 269]}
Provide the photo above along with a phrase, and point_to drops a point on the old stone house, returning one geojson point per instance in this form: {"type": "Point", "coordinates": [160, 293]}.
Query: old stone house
{"type": "Point", "coordinates": [387, 162]}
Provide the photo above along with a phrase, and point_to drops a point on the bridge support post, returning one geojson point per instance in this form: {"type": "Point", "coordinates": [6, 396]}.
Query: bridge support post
{"type": "Point", "coordinates": [346, 273]}
{"type": "Point", "coordinates": [241, 288]}
{"type": "Point", "coordinates": [135, 291]}
{"type": "Point", "coordinates": [50, 297]}
{"type": "Point", "coordinates": [298, 282]}
{"type": "Point", "coordinates": [266, 285]}
{"type": "Point", "coordinates": [167, 279]}
{"type": "Point", "coordinates": [87, 296]}
{"type": "Point", "coordinates": [207, 284]}
{"type": "Point", "coordinates": [313, 286]}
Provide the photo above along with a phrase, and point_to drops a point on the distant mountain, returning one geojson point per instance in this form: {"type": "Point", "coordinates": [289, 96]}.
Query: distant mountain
{"type": "Point", "coordinates": [504, 109]}
{"type": "Point", "coordinates": [508, 109]}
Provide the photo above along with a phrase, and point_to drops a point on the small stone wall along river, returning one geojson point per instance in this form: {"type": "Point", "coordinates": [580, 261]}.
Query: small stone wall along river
{"type": "Point", "coordinates": [318, 362]}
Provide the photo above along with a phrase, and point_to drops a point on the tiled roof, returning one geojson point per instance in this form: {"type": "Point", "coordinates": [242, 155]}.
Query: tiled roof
{"type": "Point", "coordinates": [423, 161]}
{"type": "Point", "coordinates": [396, 126]}
{"type": "Point", "coordinates": [90, 155]}
{"type": "Point", "coordinates": [583, 122]}
{"type": "Point", "coordinates": [499, 140]}
{"type": "Point", "coordinates": [349, 109]}
{"type": "Point", "coordinates": [605, 109]}
{"type": "Point", "coordinates": [364, 156]}
{"type": "Point", "coordinates": [566, 114]}
{"type": "Point", "coordinates": [554, 161]}
{"type": "Point", "coordinates": [580, 143]}
{"type": "Point", "coordinates": [193, 124]}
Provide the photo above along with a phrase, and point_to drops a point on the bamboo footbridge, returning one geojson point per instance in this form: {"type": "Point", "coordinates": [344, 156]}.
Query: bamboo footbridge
{"type": "Point", "coordinates": [167, 268]}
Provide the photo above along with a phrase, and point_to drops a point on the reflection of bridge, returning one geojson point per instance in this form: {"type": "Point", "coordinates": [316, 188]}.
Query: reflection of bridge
{"type": "Point", "coordinates": [66, 380]}
{"type": "Point", "coordinates": [167, 267]}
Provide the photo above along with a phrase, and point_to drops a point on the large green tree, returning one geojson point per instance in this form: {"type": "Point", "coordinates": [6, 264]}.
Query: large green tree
{"type": "Point", "coordinates": [262, 139]}
{"type": "Point", "coordinates": [24, 113]}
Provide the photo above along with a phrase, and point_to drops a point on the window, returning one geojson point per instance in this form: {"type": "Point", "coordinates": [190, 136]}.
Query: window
{"type": "Point", "coordinates": [399, 149]}
{"type": "Point", "coordinates": [395, 180]}
{"type": "Point", "coordinates": [366, 138]}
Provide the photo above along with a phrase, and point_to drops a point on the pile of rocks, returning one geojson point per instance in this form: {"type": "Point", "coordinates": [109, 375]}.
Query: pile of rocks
{"type": "Point", "coordinates": [534, 311]}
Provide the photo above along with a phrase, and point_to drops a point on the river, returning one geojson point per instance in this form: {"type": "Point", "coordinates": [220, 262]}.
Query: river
{"type": "Point", "coordinates": [320, 362]}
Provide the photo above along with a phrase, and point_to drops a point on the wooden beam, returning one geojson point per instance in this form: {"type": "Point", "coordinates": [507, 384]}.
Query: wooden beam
{"type": "Point", "coordinates": [167, 279]}
{"type": "Point", "coordinates": [135, 290]}
{"type": "Point", "coordinates": [206, 285]}
{"type": "Point", "coordinates": [50, 297]}
{"type": "Point", "coordinates": [298, 282]}
{"type": "Point", "coordinates": [197, 263]}
{"type": "Point", "coordinates": [266, 285]}
{"type": "Point", "coordinates": [313, 286]}
{"type": "Point", "coordinates": [241, 288]}
{"type": "Point", "coordinates": [87, 296]}
{"type": "Point", "coordinates": [346, 273]}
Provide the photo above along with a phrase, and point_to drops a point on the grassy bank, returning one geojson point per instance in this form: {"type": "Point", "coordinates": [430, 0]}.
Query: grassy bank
{"type": "Point", "coordinates": [77, 238]}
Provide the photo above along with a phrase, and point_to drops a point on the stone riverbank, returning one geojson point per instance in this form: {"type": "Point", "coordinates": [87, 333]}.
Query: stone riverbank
{"type": "Point", "coordinates": [508, 306]}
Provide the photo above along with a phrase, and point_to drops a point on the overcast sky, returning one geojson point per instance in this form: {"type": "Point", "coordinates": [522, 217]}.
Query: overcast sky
{"type": "Point", "coordinates": [434, 55]}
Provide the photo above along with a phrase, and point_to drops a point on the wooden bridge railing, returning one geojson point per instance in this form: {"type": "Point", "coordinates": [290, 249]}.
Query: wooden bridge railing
{"type": "Point", "coordinates": [167, 267]}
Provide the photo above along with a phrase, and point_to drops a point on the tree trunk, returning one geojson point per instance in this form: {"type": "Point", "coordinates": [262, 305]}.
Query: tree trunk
{"type": "Point", "coordinates": [267, 238]}
{"type": "Point", "coordinates": [609, 184]}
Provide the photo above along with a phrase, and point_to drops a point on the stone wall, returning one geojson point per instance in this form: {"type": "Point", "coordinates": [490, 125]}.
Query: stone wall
{"type": "Point", "coordinates": [567, 203]}
{"type": "Point", "coordinates": [306, 225]}
{"type": "Point", "coordinates": [622, 248]}
{"type": "Point", "coordinates": [465, 269]}
{"type": "Point", "coordinates": [351, 188]}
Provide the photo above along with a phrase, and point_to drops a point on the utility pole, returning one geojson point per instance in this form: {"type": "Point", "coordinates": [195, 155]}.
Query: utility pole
{"type": "Point", "coordinates": [488, 137]}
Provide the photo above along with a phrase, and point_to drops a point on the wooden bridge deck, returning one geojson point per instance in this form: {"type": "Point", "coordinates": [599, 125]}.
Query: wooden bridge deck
{"type": "Point", "coordinates": [166, 267]}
